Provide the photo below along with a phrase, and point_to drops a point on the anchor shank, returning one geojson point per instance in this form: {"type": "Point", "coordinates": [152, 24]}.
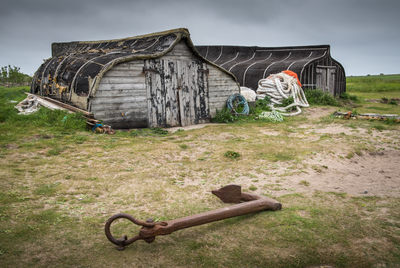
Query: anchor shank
{"type": "Point", "coordinates": [223, 213]}
{"type": "Point", "coordinates": [262, 203]}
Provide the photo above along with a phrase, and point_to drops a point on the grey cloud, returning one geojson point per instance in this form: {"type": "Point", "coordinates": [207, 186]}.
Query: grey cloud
{"type": "Point", "coordinates": [357, 30]}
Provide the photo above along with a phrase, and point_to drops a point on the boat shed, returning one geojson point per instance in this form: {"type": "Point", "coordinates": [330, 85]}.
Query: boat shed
{"type": "Point", "coordinates": [154, 80]}
{"type": "Point", "coordinates": [314, 65]}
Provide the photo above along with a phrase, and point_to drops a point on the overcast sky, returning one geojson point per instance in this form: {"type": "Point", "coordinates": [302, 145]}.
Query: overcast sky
{"type": "Point", "coordinates": [364, 34]}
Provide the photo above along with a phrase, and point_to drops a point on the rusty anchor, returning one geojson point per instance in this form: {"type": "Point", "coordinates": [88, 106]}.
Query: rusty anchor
{"type": "Point", "coordinates": [247, 203]}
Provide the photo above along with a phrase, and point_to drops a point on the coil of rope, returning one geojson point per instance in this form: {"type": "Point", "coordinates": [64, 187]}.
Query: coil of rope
{"type": "Point", "coordinates": [279, 87]}
{"type": "Point", "coordinates": [235, 101]}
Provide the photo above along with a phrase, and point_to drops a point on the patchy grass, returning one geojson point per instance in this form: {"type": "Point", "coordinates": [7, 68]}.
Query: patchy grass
{"type": "Point", "coordinates": [304, 183]}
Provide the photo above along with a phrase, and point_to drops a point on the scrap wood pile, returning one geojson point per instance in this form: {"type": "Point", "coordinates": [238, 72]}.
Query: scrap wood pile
{"type": "Point", "coordinates": [367, 116]}
{"type": "Point", "coordinates": [32, 103]}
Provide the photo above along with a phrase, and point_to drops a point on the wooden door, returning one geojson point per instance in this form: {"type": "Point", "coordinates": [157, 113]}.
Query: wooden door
{"type": "Point", "coordinates": [193, 92]}
{"type": "Point", "coordinates": [177, 92]}
{"type": "Point", "coordinates": [326, 77]}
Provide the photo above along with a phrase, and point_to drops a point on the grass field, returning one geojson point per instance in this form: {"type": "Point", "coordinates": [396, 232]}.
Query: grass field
{"type": "Point", "coordinates": [60, 183]}
{"type": "Point", "coordinates": [375, 87]}
{"type": "Point", "coordinates": [374, 83]}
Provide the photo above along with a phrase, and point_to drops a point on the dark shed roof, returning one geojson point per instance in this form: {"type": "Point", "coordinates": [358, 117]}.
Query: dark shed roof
{"type": "Point", "coordinates": [250, 64]}
{"type": "Point", "coordinates": [76, 64]}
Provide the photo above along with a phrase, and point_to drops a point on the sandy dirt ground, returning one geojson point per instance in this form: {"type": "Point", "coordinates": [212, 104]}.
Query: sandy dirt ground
{"type": "Point", "coordinates": [374, 173]}
{"type": "Point", "coordinates": [369, 174]}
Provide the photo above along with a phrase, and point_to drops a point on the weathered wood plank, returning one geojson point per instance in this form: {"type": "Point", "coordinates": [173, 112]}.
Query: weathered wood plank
{"type": "Point", "coordinates": [220, 80]}
{"type": "Point", "coordinates": [181, 49]}
{"type": "Point", "coordinates": [140, 114]}
{"type": "Point", "coordinates": [156, 98]}
{"type": "Point", "coordinates": [113, 106]}
{"type": "Point", "coordinates": [203, 94]}
{"type": "Point", "coordinates": [184, 97]}
{"type": "Point", "coordinates": [218, 97]}
{"type": "Point", "coordinates": [119, 100]}
{"type": "Point", "coordinates": [216, 94]}
{"type": "Point", "coordinates": [171, 96]}
{"type": "Point", "coordinates": [123, 73]}
{"type": "Point", "coordinates": [194, 98]}
{"type": "Point", "coordinates": [137, 69]}
{"type": "Point", "coordinates": [120, 93]}
{"type": "Point", "coordinates": [122, 86]}
{"type": "Point", "coordinates": [331, 77]}
{"type": "Point", "coordinates": [123, 80]}
{"type": "Point", "coordinates": [133, 65]}
{"type": "Point", "coordinates": [177, 58]}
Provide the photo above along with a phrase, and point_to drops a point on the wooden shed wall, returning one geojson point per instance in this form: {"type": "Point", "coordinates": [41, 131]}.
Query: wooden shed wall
{"type": "Point", "coordinates": [308, 77]}
{"type": "Point", "coordinates": [121, 98]}
{"type": "Point", "coordinates": [220, 84]}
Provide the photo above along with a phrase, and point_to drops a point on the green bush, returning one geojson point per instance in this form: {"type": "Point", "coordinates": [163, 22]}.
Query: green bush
{"type": "Point", "coordinates": [224, 116]}
{"type": "Point", "coordinates": [319, 97]}
{"type": "Point", "coordinates": [261, 105]}
{"type": "Point", "coordinates": [286, 102]}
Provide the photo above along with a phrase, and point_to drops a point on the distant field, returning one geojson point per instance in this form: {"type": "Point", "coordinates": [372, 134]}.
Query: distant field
{"type": "Point", "coordinates": [373, 83]}
{"type": "Point", "coordinates": [371, 89]}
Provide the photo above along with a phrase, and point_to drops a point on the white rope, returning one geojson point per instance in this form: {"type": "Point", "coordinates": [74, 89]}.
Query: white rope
{"type": "Point", "coordinates": [279, 87]}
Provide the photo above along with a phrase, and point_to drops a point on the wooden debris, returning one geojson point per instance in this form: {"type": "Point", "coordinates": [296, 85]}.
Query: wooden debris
{"type": "Point", "coordinates": [368, 116]}
{"type": "Point", "coordinates": [55, 104]}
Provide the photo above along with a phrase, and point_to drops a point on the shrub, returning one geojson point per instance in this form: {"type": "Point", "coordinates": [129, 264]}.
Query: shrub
{"type": "Point", "coordinates": [261, 105]}
{"type": "Point", "coordinates": [286, 102]}
{"type": "Point", "coordinates": [319, 97]}
{"type": "Point", "coordinates": [224, 116]}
